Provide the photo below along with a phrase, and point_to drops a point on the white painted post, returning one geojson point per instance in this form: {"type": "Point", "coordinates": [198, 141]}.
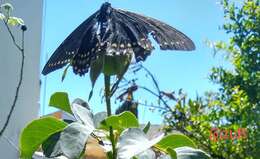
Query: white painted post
{"type": "Point", "coordinates": [28, 106]}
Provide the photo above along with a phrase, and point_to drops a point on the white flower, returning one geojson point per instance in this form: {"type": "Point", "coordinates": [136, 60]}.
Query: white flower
{"type": "Point", "coordinates": [133, 141]}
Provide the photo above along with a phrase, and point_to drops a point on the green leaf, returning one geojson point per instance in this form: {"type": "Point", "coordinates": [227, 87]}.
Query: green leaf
{"type": "Point", "coordinates": [36, 132]}
{"type": "Point", "coordinates": [61, 101]}
{"type": "Point", "coordinates": [147, 127]}
{"type": "Point", "coordinates": [175, 140]}
{"type": "Point", "coordinates": [121, 74]}
{"type": "Point", "coordinates": [15, 21]}
{"type": "Point", "coordinates": [64, 73]}
{"type": "Point", "coordinates": [109, 155]}
{"type": "Point", "coordinates": [120, 122]}
{"type": "Point", "coordinates": [191, 153]}
{"type": "Point", "coordinates": [115, 65]}
{"type": "Point", "coordinates": [95, 71]}
{"type": "Point", "coordinates": [172, 153]}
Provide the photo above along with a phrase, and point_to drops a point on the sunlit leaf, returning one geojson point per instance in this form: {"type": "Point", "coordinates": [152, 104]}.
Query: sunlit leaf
{"type": "Point", "coordinates": [61, 101]}
{"type": "Point", "coordinates": [36, 132]}
{"type": "Point", "coordinates": [172, 153]}
{"type": "Point", "coordinates": [120, 122]}
{"type": "Point", "coordinates": [15, 21]}
{"type": "Point", "coordinates": [175, 140]}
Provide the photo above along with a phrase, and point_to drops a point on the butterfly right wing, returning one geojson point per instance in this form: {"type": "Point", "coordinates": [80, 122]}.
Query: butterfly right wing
{"type": "Point", "coordinates": [70, 46]}
{"type": "Point", "coordinates": [165, 35]}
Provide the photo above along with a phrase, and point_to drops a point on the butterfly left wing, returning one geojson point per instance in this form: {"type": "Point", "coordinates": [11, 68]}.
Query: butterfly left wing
{"type": "Point", "coordinates": [70, 46]}
{"type": "Point", "coordinates": [128, 37]}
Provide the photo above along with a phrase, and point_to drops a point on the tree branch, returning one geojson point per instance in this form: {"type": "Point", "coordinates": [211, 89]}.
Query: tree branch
{"type": "Point", "coordinates": [21, 49]}
{"type": "Point", "coordinates": [159, 97]}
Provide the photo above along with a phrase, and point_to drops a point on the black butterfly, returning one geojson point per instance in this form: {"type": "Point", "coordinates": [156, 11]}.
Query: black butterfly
{"type": "Point", "coordinates": [112, 31]}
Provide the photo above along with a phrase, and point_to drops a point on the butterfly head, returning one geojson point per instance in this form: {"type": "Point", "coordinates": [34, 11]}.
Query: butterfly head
{"type": "Point", "coordinates": [106, 8]}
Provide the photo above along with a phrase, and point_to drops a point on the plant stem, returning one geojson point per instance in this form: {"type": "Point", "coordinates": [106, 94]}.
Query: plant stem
{"type": "Point", "coordinates": [108, 104]}
{"type": "Point", "coordinates": [107, 94]}
{"type": "Point", "coordinates": [21, 49]}
{"type": "Point", "coordinates": [112, 138]}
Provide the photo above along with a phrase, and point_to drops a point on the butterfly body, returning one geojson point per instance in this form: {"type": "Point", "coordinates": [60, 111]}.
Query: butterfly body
{"type": "Point", "coordinates": [111, 32]}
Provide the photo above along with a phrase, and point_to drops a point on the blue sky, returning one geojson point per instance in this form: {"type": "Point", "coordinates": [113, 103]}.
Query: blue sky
{"type": "Point", "coordinates": [200, 20]}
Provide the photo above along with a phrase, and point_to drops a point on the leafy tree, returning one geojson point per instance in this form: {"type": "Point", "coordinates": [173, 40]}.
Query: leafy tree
{"type": "Point", "coordinates": [237, 104]}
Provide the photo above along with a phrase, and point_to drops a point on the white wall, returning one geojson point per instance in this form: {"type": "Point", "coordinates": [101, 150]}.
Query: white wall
{"type": "Point", "coordinates": [28, 101]}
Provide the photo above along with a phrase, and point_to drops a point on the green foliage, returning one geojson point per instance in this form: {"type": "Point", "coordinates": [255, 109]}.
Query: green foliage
{"type": "Point", "coordinates": [64, 74]}
{"type": "Point", "coordinates": [120, 122]}
{"type": "Point", "coordinates": [147, 127]}
{"type": "Point", "coordinates": [239, 101]}
{"type": "Point", "coordinates": [96, 70]}
{"type": "Point", "coordinates": [172, 153]}
{"type": "Point", "coordinates": [57, 138]}
{"type": "Point", "coordinates": [61, 101]}
{"type": "Point", "coordinates": [115, 65]}
{"type": "Point", "coordinates": [109, 66]}
{"type": "Point", "coordinates": [35, 133]}
{"type": "Point", "coordinates": [175, 140]}
{"type": "Point", "coordinates": [236, 105]}
{"type": "Point", "coordinates": [243, 50]}
{"type": "Point", "coordinates": [15, 21]}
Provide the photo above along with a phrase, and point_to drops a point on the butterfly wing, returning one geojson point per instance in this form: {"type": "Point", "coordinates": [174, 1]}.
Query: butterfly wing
{"type": "Point", "coordinates": [87, 52]}
{"type": "Point", "coordinates": [166, 36]}
{"type": "Point", "coordinates": [70, 46]}
{"type": "Point", "coordinates": [118, 32]}
{"type": "Point", "coordinates": [128, 37]}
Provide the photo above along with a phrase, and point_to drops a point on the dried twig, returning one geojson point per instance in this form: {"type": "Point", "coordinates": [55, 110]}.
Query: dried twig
{"type": "Point", "coordinates": [21, 49]}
